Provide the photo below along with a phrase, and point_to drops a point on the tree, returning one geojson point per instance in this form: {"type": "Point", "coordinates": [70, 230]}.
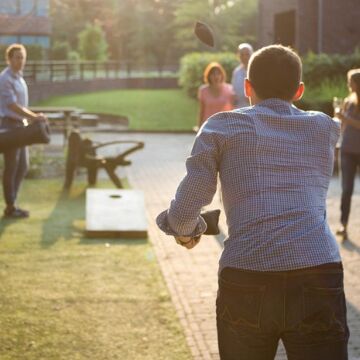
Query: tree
{"type": "Point", "coordinates": [92, 43]}
{"type": "Point", "coordinates": [156, 31]}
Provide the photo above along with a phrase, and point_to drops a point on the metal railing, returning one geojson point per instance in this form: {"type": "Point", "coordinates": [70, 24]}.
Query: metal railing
{"type": "Point", "coordinates": [37, 71]}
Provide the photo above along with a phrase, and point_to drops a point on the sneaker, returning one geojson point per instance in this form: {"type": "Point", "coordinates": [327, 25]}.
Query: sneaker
{"type": "Point", "coordinates": [16, 213]}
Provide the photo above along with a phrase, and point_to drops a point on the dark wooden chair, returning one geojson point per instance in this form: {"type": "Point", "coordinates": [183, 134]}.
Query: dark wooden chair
{"type": "Point", "coordinates": [81, 153]}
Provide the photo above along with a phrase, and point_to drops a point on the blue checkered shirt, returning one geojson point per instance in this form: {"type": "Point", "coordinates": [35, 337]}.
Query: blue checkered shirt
{"type": "Point", "coordinates": [274, 163]}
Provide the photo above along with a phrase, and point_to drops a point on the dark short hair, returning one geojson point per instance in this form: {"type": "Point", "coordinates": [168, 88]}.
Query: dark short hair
{"type": "Point", "coordinates": [10, 50]}
{"type": "Point", "coordinates": [210, 68]}
{"type": "Point", "coordinates": [275, 72]}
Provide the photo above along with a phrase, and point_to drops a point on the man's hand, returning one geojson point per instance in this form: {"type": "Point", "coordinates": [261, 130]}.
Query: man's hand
{"type": "Point", "coordinates": [41, 117]}
{"type": "Point", "coordinates": [187, 241]}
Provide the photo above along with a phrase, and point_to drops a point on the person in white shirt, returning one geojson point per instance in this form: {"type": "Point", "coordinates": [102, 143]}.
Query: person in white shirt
{"type": "Point", "coordinates": [244, 52]}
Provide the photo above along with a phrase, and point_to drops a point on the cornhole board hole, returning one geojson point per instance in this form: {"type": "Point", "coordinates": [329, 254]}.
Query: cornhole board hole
{"type": "Point", "coordinates": [115, 213]}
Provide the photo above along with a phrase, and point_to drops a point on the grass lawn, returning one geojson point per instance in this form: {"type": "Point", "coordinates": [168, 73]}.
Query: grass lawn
{"type": "Point", "coordinates": [66, 297]}
{"type": "Point", "coordinates": [168, 109]}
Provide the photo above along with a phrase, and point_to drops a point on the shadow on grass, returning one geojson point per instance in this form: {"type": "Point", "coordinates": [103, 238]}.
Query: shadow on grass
{"type": "Point", "coordinates": [5, 222]}
{"type": "Point", "coordinates": [60, 225]}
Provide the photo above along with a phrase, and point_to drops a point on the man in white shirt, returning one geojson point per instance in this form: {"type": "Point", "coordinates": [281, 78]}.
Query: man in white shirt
{"type": "Point", "coordinates": [14, 113]}
{"type": "Point", "coordinates": [244, 52]}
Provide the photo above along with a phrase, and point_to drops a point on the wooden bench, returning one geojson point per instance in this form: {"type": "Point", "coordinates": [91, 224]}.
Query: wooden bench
{"type": "Point", "coordinates": [89, 119]}
{"type": "Point", "coordinates": [115, 213]}
{"type": "Point", "coordinates": [83, 153]}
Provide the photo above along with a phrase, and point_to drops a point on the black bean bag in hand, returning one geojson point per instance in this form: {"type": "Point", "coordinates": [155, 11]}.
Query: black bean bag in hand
{"type": "Point", "coordinates": [212, 219]}
{"type": "Point", "coordinates": [35, 133]}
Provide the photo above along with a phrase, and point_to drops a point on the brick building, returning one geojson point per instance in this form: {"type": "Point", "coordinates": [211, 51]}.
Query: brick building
{"type": "Point", "coordinates": [26, 22]}
{"type": "Point", "coordinates": [330, 26]}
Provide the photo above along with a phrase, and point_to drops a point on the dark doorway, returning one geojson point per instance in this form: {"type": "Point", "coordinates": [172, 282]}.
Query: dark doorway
{"type": "Point", "coordinates": [284, 28]}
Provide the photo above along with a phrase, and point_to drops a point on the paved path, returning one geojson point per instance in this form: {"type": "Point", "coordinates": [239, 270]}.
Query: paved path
{"type": "Point", "coordinates": [191, 276]}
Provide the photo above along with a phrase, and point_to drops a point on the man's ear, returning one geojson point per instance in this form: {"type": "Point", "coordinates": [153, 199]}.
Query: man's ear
{"type": "Point", "coordinates": [299, 92]}
{"type": "Point", "coordinates": [248, 88]}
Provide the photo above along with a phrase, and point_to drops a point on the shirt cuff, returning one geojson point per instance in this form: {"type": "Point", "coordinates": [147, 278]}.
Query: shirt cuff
{"type": "Point", "coordinates": [163, 224]}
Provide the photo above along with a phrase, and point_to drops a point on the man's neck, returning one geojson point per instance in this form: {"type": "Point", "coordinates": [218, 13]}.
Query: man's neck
{"type": "Point", "coordinates": [15, 71]}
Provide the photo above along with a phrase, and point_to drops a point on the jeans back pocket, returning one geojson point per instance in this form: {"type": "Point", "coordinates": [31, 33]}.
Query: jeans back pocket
{"type": "Point", "coordinates": [324, 310]}
{"type": "Point", "coordinates": [240, 305]}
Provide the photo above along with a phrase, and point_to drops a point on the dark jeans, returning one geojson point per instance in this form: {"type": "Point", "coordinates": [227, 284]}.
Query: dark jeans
{"type": "Point", "coordinates": [16, 162]}
{"type": "Point", "coordinates": [304, 308]}
{"type": "Point", "coordinates": [349, 164]}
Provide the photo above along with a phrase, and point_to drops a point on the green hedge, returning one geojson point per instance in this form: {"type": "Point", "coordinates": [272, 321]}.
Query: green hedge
{"type": "Point", "coordinates": [192, 67]}
{"type": "Point", "coordinates": [324, 75]}
{"type": "Point", "coordinates": [321, 67]}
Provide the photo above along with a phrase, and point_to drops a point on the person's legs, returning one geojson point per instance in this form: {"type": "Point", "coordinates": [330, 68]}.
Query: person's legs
{"type": "Point", "coordinates": [348, 171]}
{"type": "Point", "coordinates": [316, 326]}
{"type": "Point", "coordinates": [248, 308]}
{"type": "Point", "coordinates": [11, 159]}
{"type": "Point", "coordinates": [15, 167]}
{"type": "Point", "coordinates": [22, 168]}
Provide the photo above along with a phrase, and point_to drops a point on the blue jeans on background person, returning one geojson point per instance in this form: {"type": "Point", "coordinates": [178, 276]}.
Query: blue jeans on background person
{"type": "Point", "coordinates": [350, 162]}
{"type": "Point", "coordinates": [304, 308]}
{"type": "Point", "coordinates": [16, 163]}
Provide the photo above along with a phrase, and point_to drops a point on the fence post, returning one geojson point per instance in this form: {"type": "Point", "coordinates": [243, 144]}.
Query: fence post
{"type": "Point", "coordinates": [34, 69]}
{"type": "Point", "coordinates": [51, 71]}
{"type": "Point", "coordinates": [128, 68]}
{"type": "Point", "coordinates": [82, 71]}
{"type": "Point", "coordinates": [67, 72]}
{"type": "Point", "coordinates": [118, 70]}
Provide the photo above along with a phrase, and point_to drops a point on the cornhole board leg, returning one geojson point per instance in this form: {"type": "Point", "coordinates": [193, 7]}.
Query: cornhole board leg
{"type": "Point", "coordinates": [115, 213]}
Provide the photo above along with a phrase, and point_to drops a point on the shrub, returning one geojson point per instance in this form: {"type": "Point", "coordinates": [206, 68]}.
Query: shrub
{"type": "Point", "coordinates": [92, 43]}
{"type": "Point", "coordinates": [324, 75]}
{"type": "Point", "coordinates": [60, 50]}
{"type": "Point", "coordinates": [319, 97]}
{"type": "Point", "coordinates": [319, 67]}
{"type": "Point", "coordinates": [192, 67]}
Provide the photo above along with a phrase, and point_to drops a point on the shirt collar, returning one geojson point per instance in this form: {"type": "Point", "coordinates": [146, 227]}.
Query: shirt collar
{"type": "Point", "coordinates": [276, 104]}
{"type": "Point", "coordinates": [15, 75]}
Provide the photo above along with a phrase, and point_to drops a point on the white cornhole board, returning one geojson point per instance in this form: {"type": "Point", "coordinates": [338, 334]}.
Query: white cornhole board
{"type": "Point", "coordinates": [115, 213]}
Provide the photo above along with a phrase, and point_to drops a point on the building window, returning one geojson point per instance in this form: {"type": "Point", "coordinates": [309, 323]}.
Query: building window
{"type": "Point", "coordinates": [26, 7]}
{"type": "Point", "coordinates": [43, 41]}
{"type": "Point", "coordinates": [27, 40]}
{"type": "Point", "coordinates": [42, 8]}
{"type": "Point", "coordinates": [8, 7]}
{"type": "Point", "coordinates": [8, 39]}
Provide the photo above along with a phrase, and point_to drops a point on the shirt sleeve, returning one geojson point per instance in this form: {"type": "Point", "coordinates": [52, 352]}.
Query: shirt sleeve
{"type": "Point", "coordinates": [197, 188]}
{"type": "Point", "coordinates": [7, 92]}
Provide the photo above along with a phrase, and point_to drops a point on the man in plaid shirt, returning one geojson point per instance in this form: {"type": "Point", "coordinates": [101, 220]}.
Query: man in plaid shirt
{"type": "Point", "coordinates": [280, 273]}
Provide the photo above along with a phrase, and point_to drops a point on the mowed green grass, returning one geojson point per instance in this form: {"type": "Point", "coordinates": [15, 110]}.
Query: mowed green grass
{"type": "Point", "coordinates": [169, 109]}
{"type": "Point", "coordinates": [63, 296]}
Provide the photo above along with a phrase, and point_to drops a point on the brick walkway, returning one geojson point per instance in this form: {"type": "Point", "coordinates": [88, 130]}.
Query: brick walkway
{"type": "Point", "coordinates": [191, 276]}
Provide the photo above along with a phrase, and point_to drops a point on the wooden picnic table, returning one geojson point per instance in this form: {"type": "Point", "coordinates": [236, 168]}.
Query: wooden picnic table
{"type": "Point", "coordinates": [67, 112]}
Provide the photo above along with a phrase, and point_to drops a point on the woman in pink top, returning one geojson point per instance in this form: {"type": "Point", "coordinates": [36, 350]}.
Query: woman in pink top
{"type": "Point", "coordinates": [215, 95]}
